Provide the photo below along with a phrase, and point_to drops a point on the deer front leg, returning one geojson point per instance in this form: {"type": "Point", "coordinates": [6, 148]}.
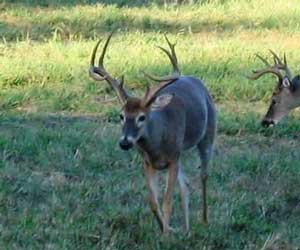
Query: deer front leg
{"type": "Point", "coordinates": [184, 193]}
{"type": "Point", "coordinates": [167, 201]}
{"type": "Point", "coordinates": [152, 185]}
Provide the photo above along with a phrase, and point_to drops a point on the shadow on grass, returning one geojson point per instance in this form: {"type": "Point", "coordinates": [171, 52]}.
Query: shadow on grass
{"type": "Point", "coordinates": [63, 28]}
{"type": "Point", "coordinates": [62, 174]}
{"type": "Point", "coordinates": [65, 3]}
{"type": "Point", "coordinates": [68, 29]}
{"type": "Point", "coordinates": [119, 3]}
{"type": "Point", "coordinates": [76, 26]}
{"type": "Point", "coordinates": [61, 140]}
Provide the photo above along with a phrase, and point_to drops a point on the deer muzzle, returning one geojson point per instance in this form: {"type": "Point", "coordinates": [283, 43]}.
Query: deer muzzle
{"type": "Point", "coordinates": [267, 123]}
{"type": "Point", "coordinates": [126, 143]}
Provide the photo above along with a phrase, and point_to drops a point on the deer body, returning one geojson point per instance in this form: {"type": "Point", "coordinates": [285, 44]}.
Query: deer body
{"type": "Point", "coordinates": [193, 114]}
{"type": "Point", "coordinates": [173, 116]}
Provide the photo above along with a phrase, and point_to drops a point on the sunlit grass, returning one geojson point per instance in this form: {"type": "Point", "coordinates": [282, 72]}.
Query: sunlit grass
{"type": "Point", "coordinates": [65, 184]}
{"type": "Point", "coordinates": [53, 75]}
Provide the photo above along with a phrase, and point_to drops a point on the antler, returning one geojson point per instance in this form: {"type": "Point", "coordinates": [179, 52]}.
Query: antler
{"type": "Point", "coordinates": [99, 73]}
{"type": "Point", "coordinates": [173, 58]}
{"type": "Point", "coordinates": [282, 65]}
{"type": "Point", "coordinates": [275, 69]}
{"type": "Point", "coordinates": [151, 92]}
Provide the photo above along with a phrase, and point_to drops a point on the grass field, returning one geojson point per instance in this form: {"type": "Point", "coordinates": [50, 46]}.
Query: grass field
{"type": "Point", "coordinates": [65, 184]}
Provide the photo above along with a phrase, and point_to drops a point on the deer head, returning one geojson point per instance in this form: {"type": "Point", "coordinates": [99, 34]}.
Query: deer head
{"type": "Point", "coordinates": [286, 95]}
{"type": "Point", "coordinates": [135, 111]}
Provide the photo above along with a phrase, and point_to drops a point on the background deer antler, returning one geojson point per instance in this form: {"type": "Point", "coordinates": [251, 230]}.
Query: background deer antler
{"type": "Point", "coordinates": [272, 69]}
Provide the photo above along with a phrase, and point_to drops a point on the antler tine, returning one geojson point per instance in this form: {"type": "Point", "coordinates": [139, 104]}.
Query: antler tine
{"type": "Point", "coordinates": [276, 58]}
{"type": "Point", "coordinates": [92, 61]}
{"type": "Point", "coordinates": [284, 59]}
{"type": "Point", "coordinates": [263, 60]}
{"type": "Point", "coordinates": [286, 68]}
{"type": "Point", "coordinates": [122, 81]}
{"type": "Point", "coordinates": [101, 58]}
{"type": "Point", "coordinates": [164, 81]}
{"type": "Point", "coordinates": [150, 93]}
{"type": "Point", "coordinates": [99, 73]}
{"type": "Point", "coordinates": [282, 65]}
{"type": "Point", "coordinates": [172, 56]}
{"type": "Point", "coordinates": [92, 72]}
{"type": "Point", "coordinates": [146, 94]}
{"type": "Point", "coordinates": [172, 59]}
{"type": "Point", "coordinates": [172, 47]}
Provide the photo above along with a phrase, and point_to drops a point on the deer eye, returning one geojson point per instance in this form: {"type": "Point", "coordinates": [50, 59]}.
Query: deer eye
{"type": "Point", "coordinates": [121, 117]}
{"type": "Point", "coordinates": [141, 118]}
{"type": "Point", "coordinates": [273, 102]}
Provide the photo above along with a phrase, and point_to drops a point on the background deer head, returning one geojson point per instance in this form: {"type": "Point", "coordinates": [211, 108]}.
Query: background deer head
{"type": "Point", "coordinates": [286, 95]}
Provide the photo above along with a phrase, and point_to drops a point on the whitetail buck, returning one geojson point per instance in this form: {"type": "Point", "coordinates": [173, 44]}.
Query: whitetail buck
{"type": "Point", "coordinates": [173, 116]}
{"type": "Point", "coordinates": [287, 91]}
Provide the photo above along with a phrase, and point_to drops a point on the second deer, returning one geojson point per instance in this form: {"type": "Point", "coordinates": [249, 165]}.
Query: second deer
{"type": "Point", "coordinates": [287, 91]}
{"type": "Point", "coordinates": [175, 115]}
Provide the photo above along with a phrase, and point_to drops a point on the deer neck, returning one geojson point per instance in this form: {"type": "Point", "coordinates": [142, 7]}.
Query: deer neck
{"type": "Point", "coordinates": [151, 138]}
{"type": "Point", "coordinates": [296, 102]}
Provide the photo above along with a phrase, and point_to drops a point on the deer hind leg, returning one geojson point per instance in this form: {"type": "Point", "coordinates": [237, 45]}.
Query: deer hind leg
{"type": "Point", "coordinates": [152, 185]}
{"type": "Point", "coordinates": [167, 200]}
{"type": "Point", "coordinates": [205, 151]}
{"type": "Point", "coordinates": [184, 193]}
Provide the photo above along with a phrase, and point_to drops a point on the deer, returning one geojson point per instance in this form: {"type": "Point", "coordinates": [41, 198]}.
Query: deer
{"type": "Point", "coordinates": [174, 115]}
{"type": "Point", "coordinates": [286, 95]}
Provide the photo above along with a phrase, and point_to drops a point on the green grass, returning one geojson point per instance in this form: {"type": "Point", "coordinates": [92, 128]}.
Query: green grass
{"type": "Point", "coordinates": [65, 184]}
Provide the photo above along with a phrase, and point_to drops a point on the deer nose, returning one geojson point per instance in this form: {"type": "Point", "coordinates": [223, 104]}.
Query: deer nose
{"type": "Point", "coordinates": [267, 123]}
{"type": "Point", "coordinates": [125, 144]}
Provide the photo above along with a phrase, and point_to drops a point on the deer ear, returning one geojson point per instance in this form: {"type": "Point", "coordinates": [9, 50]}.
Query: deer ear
{"type": "Point", "coordinates": [161, 101]}
{"type": "Point", "coordinates": [286, 82]}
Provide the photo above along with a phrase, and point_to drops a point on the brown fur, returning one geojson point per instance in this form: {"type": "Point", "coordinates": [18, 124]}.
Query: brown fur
{"type": "Point", "coordinates": [133, 106]}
